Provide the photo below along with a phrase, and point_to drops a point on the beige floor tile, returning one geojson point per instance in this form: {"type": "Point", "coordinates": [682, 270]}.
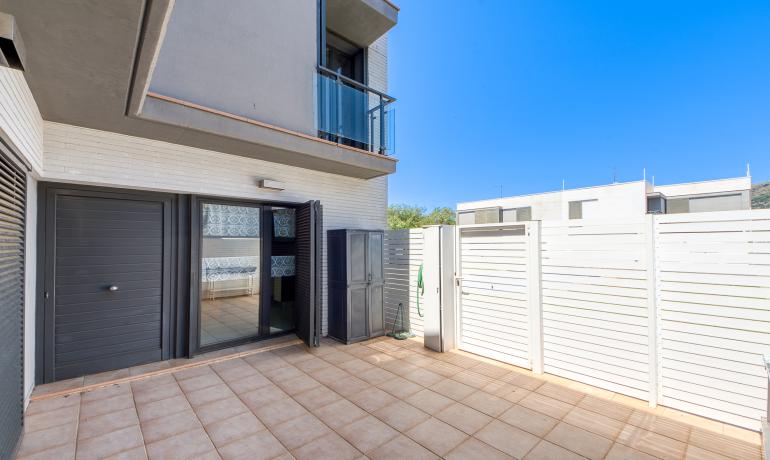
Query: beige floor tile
{"type": "Point", "coordinates": [330, 445]}
{"type": "Point", "coordinates": [437, 436]}
{"type": "Point", "coordinates": [339, 413]}
{"type": "Point", "coordinates": [605, 407]}
{"type": "Point", "coordinates": [423, 377]}
{"type": "Point", "coordinates": [46, 405]}
{"type": "Point", "coordinates": [348, 386]}
{"type": "Point", "coordinates": [152, 367]}
{"type": "Point", "coordinates": [61, 385]}
{"type": "Point", "coordinates": [400, 387]}
{"type": "Point", "coordinates": [593, 422]}
{"type": "Point", "coordinates": [697, 453]}
{"type": "Point", "coordinates": [170, 425]}
{"type": "Point", "coordinates": [106, 392]}
{"type": "Point", "coordinates": [298, 384]}
{"type": "Point", "coordinates": [661, 425]}
{"type": "Point", "coordinates": [546, 405]}
{"type": "Point", "coordinates": [311, 365]}
{"type": "Point", "coordinates": [317, 397]}
{"type": "Point", "coordinates": [329, 375]}
{"type": "Point", "coordinates": [376, 375]}
{"type": "Point", "coordinates": [473, 449]}
{"type": "Point", "coordinates": [49, 419]}
{"type": "Point", "coordinates": [429, 401]}
{"type": "Point", "coordinates": [528, 382]}
{"type": "Point", "coordinates": [192, 372]}
{"type": "Point", "coordinates": [111, 443]}
{"type": "Point", "coordinates": [233, 428]}
{"type": "Point", "coordinates": [184, 445]}
{"type": "Point", "coordinates": [210, 394]}
{"type": "Point", "coordinates": [490, 370]}
{"type": "Point", "coordinates": [250, 383]}
{"type": "Point", "coordinates": [487, 403]}
{"type": "Point", "coordinates": [265, 361]}
{"type": "Point", "coordinates": [367, 433]}
{"type": "Point", "coordinates": [259, 445]}
{"type": "Point", "coordinates": [401, 415]}
{"type": "Point", "coordinates": [463, 418]}
{"type": "Point", "coordinates": [561, 393]}
{"type": "Point", "coordinates": [283, 374]}
{"type": "Point", "coordinates": [162, 408]}
{"type": "Point", "coordinates": [724, 445]}
{"type": "Point", "coordinates": [146, 383]}
{"type": "Point", "coordinates": [65, 452]}
{"type": "Point", "coordinates": [236, 372]}
{"type": "Point", "coordinates": [651, 443]}
{"type": "Point", "coordinates": [197, 383]}
{"type": "Point", "coordinates": [105, 377]}
{"type": "Point", "coordinates": [105, 406]}
{"type": "Point", "coordinates": [580, 441]}
{"type": "Point", "coordinates": [742, 434]}
{"type": "Point", "coordinates": [623, 452]}
{"type": "Point", "coordinates": [279, 411]}
{"type": "Point", "coordinates": [137, 453]}
{"type": "Point", "coordinates": [149, 394]}
{"type": "Point", "coordinates": [219, 410]}
{"type": "Point", "coordinates": [106, 423]}
{"type": "Point", "coordinates": [545, 450]}
{"type": "Point", "coordinates": [400, 448]}
{"type": "Point", "coordinates": [262, 396]}
{"type": "Point", "coordinates": [473, 379]}
{"type": "Point", "coordinates": [508, 439]}
{"type": "Point", "coordinates": [529, 420]}
{"type": "Point", "coordinates": [38, 441]}
{"type": "Point", "coordinates": [444, 369]}
{"type": "Point", "coordinates": [372, 399]}
{"type": "Point", "coordinates": [453, 389]}
{"type": "Point", "coordinates": [356, 366]}
{"type": "Point", "coordinates": [299, 431]}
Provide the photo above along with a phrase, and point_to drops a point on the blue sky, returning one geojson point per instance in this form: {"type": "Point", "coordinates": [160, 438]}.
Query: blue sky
{"type": "Point", "coordinates": [525, 93]}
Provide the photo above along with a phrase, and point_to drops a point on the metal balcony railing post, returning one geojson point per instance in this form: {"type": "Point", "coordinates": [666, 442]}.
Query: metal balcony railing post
{"type": "Point", "coordinates": [339, 106]}
{"type": "Point", "coordinates": [382, 126]}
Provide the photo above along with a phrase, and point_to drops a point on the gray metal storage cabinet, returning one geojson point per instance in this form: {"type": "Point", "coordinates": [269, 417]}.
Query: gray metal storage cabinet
{"type": "Point", "coordinates": [355, 284]}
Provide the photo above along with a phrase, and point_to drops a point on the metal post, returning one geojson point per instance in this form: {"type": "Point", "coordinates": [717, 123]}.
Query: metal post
{"type": "Point", "coordinates": [339, 106]}
{"type": "Point", "coordinates": [382, 127]}
{"type": "Point", "coordinates": [535, 298]}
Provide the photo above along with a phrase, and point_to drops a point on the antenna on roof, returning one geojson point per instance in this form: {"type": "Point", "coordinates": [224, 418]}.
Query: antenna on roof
{"type": "Point", "coordinates": [614, 175]}
{"type": "Point", "coordinates": [501, 190]}
{"type": "Point", "coordinates": [562, 185]}
{"type": "Point", "coordinates": [653, 181]}
{"type": "Point", "coordinates": [748, 169]}
{"type": "Point", "coordinates": [644, 174]}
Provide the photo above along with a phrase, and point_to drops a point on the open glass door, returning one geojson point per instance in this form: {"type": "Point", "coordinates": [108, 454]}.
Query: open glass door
{"type": "Point", "coordinates": [230, 272]}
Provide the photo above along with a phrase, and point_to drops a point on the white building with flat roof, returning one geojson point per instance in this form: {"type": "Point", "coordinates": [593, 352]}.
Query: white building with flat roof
{"type": "Point", "coordinates": [612, 201]}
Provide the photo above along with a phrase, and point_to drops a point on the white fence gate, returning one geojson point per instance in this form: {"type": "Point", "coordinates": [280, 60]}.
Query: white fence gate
{"type": "Point", "coordinates": [403, 256]}
{"type": "Point", "coordinates": [595, 304]}
{"type": "Point", "coordinates": [493, 313]}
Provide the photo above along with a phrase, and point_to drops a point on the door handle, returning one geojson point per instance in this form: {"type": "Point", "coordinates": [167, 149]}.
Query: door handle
{"type": "Point", "coordinates": [113, 288]}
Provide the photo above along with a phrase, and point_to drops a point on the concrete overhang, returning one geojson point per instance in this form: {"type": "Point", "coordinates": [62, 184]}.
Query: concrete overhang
{"type": "Point", "coordinates": [88, 64]}
{"type": "Point", "coordinates": [12, 52]}
{"type": "Point", "coordinates": [361, 21]}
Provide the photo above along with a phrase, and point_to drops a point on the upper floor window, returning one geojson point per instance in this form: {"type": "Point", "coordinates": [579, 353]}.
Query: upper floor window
{"type": "Point", "coordinates": [584, 209]}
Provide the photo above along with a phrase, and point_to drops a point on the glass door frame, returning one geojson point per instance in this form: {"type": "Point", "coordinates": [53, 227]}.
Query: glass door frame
{"type": "Point", "coordinates": [196, 241]}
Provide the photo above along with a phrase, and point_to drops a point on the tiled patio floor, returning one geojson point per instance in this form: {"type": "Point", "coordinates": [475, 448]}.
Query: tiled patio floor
{"type": "Point", "coordinates": [381, 399]}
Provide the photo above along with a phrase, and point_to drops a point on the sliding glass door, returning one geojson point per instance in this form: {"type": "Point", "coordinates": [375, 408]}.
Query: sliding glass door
{"type": "Point", "coordinates": [231, 251]}
{"type": "Point", "coordinates": [247, 272]}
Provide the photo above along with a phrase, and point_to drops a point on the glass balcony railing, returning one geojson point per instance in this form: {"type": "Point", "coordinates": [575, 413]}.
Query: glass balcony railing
{"type": "Point", "coordinates": [353, 114]}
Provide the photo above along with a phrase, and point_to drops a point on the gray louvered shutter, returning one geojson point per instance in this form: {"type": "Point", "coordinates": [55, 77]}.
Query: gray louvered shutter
{"type": "Point", "coordinates": [12, 202]}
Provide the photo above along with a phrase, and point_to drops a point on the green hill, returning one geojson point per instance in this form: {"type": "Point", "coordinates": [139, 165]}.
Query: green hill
{"type": "Point", "coordinates": [760, 196]}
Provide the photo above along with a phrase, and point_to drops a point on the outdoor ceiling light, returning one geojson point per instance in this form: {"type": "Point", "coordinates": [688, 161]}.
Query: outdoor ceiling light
{"type": "Point", "coordinates": [270, 184]}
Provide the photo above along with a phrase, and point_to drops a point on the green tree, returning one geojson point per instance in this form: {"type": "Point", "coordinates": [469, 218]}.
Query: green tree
{"type": "Point", "coordinates": [760, 196]}
{"type": "Point", "coordinates": [440, 216]}
{"type": "Point", "coordinates": [402, 216]}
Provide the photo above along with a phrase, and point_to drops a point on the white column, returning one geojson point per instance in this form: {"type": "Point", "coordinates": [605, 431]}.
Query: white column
{"type": "Point", "coordinates": [652, 309]}
{"type": "Point", "coordinates": [535, 298]}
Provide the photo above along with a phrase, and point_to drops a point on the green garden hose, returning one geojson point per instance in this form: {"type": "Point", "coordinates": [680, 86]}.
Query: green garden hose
{"type": "Point", "coordinates": [420, 290]}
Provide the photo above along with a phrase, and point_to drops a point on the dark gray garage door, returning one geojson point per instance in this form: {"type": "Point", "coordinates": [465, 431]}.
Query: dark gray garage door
{"type": "Point", "coordinates": [110, 283]}
{"type": "Point", "coordinates": [12, 202]}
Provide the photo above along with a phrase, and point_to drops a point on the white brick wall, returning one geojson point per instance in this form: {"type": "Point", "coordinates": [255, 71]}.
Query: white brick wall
{"type": "Point", "coordinates": [87, 156]}
{"type": "Point", "coordinates": [20, 119]}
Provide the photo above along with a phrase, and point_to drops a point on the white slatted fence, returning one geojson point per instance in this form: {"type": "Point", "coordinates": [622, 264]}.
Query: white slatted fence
{"type": "Point", "coordinates": [713, 295]}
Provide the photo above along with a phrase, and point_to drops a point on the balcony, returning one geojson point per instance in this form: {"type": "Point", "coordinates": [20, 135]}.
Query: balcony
{"type": "Point", "coordinates": [350, 113]}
